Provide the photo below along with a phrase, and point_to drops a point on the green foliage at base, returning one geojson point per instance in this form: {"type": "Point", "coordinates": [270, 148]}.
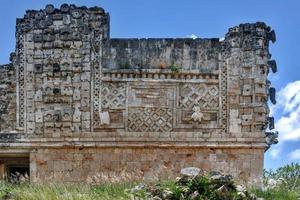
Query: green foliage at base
{"type": "Point", "coordinates": [282, 184]}
{"type": "Point", "coordinates": [273, 194]}
{"type": "Point", "coordinates": [27, 191]}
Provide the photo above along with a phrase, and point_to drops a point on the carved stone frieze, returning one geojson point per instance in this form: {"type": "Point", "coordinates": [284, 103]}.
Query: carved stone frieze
{"type": "Point", "coordinates": [203, 95]}
{"type": "Point", "coordinates": [113, 95]}
{"type": "Point", "coordinates": [150, 119]}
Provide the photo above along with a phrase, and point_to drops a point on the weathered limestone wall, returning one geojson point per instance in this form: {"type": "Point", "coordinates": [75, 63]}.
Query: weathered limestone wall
{"type": "Point", "coordinates": [56, 59]}
{"type": "Point", "coordinates": [82, 164]}
{"type": "Point", "coordinates": [188, 54]}
{"type": "Point", "coordinates": [7, 98]}
{"type": "Point", "coordinates": [247, 60]}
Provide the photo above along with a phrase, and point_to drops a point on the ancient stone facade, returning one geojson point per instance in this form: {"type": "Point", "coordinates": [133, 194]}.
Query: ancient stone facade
{"type": "Point", "coordinates": [78, 104]}
{"type": "Point", "coordinates": [7, 98]}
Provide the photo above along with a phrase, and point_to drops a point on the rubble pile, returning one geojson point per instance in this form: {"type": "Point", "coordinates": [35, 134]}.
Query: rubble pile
{"type": "Point", "coordinates": [196, 184]}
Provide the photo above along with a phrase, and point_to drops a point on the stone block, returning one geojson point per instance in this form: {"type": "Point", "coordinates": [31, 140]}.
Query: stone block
{"type": "Point", "coordinates": [247, 90]}
{"type": "Point", "coordinates": [39, 116]}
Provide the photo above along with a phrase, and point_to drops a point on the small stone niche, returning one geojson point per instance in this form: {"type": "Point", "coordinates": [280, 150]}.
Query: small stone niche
{"type": "Point", "coordinates": [57, 116]}
{"type": "Point", "coordinates": [56, 91]}
{"type": "Point", "coordinates": [56, 68]}
{"type": "Point", "coordinates": [38, 68]}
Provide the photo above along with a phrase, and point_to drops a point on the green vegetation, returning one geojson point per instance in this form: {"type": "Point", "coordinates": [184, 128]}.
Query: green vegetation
{"type": "Point", "coordinates": [277, 194]}
{"type": "Point", "coordinates": [282, 184]}
{"type": "Point", "coordinates": [26, 191]}
{"type": "Point", "coordinates": [288, 176]}
{"type": "Point", "coordinates": [174, 68]}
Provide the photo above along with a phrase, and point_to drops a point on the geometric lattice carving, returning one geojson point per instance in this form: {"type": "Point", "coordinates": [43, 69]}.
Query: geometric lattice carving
{"type": "Point", "coordinates": [223, 88]}
{"type": "Point", "coordinates": [96, 65]}
{"type": "Point", "coordinates": [113, 95]}
{"type": "Point", "coordinates": [149, 120]}
{"type": "Point", "coordinates": [202, 95]}
{"type": "Point", "coordinates": [21, 82]}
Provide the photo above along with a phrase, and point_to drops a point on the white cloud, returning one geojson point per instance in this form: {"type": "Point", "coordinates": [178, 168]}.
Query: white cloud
{"type": "Point", "coordinates": [288, 124]}
{"type": "Point", "coordinates": [289, 97]}
{"type": "Point", "coordinates": [289, 127]}
{"type": "Point", "coordinates": [295, 155]}
{"type": "Point", "coordinates": [273, 109]}
{"type": "Point", "coordinates": [274, 153]}
{"type": "Point", "coordinates": [193, 36]}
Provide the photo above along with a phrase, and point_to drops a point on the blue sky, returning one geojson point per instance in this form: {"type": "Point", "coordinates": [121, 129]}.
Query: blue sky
{"type": "Point", "coordinates": [205, 19]}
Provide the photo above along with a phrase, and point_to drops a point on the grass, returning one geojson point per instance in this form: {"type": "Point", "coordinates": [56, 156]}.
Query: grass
{"type": "Point", "coordinates": [282, 184]}
{"type": "Point", "coordinates": [277, 194]}
{"type": "Point", "coordinates": [29, 191]}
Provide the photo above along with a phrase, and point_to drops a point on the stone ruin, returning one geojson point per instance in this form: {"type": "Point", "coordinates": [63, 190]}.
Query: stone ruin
{"type": "Point", "coordinates": [75, 103]}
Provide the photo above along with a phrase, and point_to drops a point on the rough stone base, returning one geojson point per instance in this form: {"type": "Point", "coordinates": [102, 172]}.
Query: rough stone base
{"type": "Point", "coordinates": [100, 164]}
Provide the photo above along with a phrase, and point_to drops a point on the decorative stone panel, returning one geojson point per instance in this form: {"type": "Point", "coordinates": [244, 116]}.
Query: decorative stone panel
{"type": "Point", "coordinates": [113, 95]}
{"type": "Point", "coordinates": [150, 119]}
{"type": "Point", "coordinates": [7, 98]}
{"type": "Point", "coordinates": [202, 95]}
{"type": "Point", "coordinates": [54, 69]}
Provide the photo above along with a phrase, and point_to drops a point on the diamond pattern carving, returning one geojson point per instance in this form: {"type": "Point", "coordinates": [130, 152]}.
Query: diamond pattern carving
{"type": "Point", "coordinates": [224, 116]}
{"type": "Point", "coordinates": [205, 96]}
{"type": "Point", "coordinates": [149, 120]}
{"type": "Point", "coordinates": [21, 82]}
{"type": "Point", "coordinates": [113, 95]}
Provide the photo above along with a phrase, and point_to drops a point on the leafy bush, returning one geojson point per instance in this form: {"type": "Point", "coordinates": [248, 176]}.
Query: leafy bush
{"type": "Point", "coordinates": [286, 177]}
{"type": "Point", "coordinates": [174, 68]}
{"type": "Point", "coordinates": [212, 186]}
{"type": "Point", "coordinates": [281, 184]}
